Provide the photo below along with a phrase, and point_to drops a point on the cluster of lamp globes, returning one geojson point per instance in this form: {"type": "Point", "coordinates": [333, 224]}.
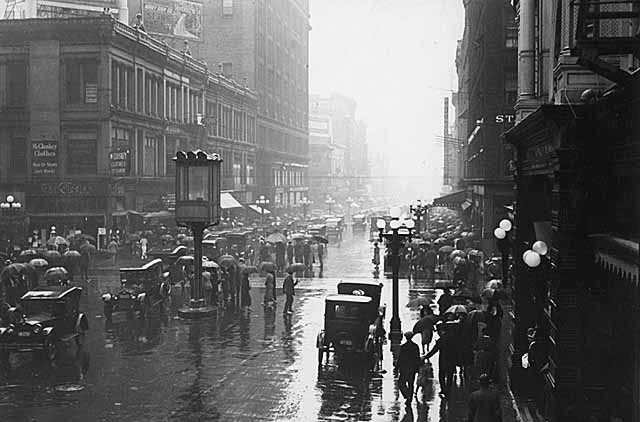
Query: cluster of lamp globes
{"type": "Point", "coordinates": [532, 257]}
{"type": "Point", "coordinates": [395, 223]}
{"type": "Point", "coordinates": [10, 203]}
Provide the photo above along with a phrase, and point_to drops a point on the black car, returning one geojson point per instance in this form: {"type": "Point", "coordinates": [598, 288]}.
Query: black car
{"type": "Point", "coordinates": [353, 323]}
{"type": "Point", "coordinates": [44, 317]}
{"type": "Point", "coordinates": [140, 290]}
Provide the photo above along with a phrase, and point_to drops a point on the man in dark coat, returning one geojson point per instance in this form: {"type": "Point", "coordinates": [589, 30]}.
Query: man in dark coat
{"type": "Point", "coordinates": [289, 290]}
{"type": "Point", "coordinates": [445, 301]}
{"type": "Point", "coordinates": [446, 345]}
{"type": "Point", "coordinates": [290, 253]}
{"type": "Point", "coordinates": [408, 365]}
{"type": "Point", "coordinates": [484, 404]}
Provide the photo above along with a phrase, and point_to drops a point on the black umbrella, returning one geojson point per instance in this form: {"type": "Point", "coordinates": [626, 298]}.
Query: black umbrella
{"type": "Point", "coordinates": [56, 275]}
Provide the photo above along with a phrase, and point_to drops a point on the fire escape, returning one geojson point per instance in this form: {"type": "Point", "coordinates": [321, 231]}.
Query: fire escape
{"type": "Point", "coordinates": [607, 37]}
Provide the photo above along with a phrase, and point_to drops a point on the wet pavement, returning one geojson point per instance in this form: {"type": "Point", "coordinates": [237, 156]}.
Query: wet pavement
{"type": "Point", "coordinates": [240, 366]}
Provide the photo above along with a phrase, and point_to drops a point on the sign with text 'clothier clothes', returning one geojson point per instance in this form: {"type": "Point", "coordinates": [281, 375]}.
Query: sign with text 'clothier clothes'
{"type": "Point", "coordinates": [44, 158]}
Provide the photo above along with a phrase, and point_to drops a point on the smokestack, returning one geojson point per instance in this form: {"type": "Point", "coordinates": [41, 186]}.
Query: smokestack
{"type": "Point", "coordinates": [123, 12]}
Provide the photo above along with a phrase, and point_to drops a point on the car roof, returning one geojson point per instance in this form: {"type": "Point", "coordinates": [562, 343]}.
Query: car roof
{"type": "Point", "coordinates": [348, 298]}
{"type": "Point", "coordinates": [146, 266]}
{"type": "Point", "coordinates": [361, 283]}
{"type": "Point", "coordinates": [50, 292]}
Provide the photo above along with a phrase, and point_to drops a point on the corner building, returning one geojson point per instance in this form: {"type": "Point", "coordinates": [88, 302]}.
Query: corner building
{"type": "Point", "coordinates": [265, 44]}
{"type": "Point", "coordinates": [93, 112]}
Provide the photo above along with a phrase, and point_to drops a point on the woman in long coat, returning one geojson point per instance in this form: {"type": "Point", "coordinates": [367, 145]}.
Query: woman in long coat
{"type": "Point", "coordinates": [270, 290]}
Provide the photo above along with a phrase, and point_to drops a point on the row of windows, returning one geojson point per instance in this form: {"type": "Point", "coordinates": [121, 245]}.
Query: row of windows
{"type": "Point", "coordinates": [225, 122]}
{"type": "Point", "coordinates": [288, 177]}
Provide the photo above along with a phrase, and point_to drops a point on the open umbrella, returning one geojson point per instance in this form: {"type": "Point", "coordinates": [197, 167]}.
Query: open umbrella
{"type": "Point", "coordinates": [445, 249]}
{"type": "Point", "coordinates": [267, 266]}
{"type": "Point", "coordinates": [474, 252]}
{"type": "Point", "coordinates": [297, 236]}
{"type": "Point", "coordinates": [39, 262]}
{"type": "Point", "coordinates": [209, 264]}
{"type": "Point", "coordinates": [56, 275]}
{"type": "Point", "coordinates": [276, 238]}
{"type": "Point", "coordinates": [320, 239]}
{"type": "Point", "coordinates": [226, 260]}
{"type": "Point", "coordinates": [72, 253]}
{"type": "Point", "coordinates": [57, 240]}
{"type": "Point", "coordinates": [440, 241]}
{"type": "Point", "coordinates": [49, 255]}
{"type": "Point", "coordinates": [250, 269]}
{"type": "Point", "coordinates": [297, 266]}
{"type": "Point", "coordinates": [488, 293]}
{"type": "Point", "coordinates": [28, 252]}
{"type": "Point", "coordinates": [419, 301]}
{"type": "Point", "coordinates": [456, 309]}
{"type": "Point", "coordinates": [12, 270]}
{"type": "Point", "coordinates": [458, 253]}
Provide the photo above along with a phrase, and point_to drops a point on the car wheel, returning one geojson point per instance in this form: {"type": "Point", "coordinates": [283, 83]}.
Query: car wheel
{"type": "Point", "coordinates": [108, 311]}
{"type": "Point", "coordinates": [50, 349]}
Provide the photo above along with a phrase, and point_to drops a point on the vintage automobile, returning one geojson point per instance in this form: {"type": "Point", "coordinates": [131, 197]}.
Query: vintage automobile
{"type": "Point", "coordinates": [141, 289]}
{"type": "Point", "coordinates": [334, 227]}
{"type": "Point", "coordinates": [168, 256]}
{"type": "Point", "coordinates": [317, 230]}
{"type": "Point", "coordinates": [44, 318]}
{"type": "Point", "coordinates": [237, 242]}
{"type": "Point", "coordinates": [353, 323]}
{"type": "Point", "coordinates": [359, 222]}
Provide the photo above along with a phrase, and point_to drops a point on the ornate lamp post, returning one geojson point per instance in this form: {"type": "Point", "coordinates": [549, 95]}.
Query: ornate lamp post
{"type": "Point", "coordinates": [418, 211]}
{"type": "Point", "coordinates": [330, 201]}
{"type": "Point", "coordinates": [262, 202]}
{"type": "Point", "coordinates": [305, 202]}
{"type": "Point", "coordinates": [11, 208]}
{"type": "Point", "coordinates": [400, 230]}
{"type": "Point", "coordinates": [501, 233]}
{"type": "Point", "coordinates": [197, 207]}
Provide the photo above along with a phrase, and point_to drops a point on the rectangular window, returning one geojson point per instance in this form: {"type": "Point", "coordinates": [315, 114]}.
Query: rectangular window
{"type": "Point", "coordinates": [18, 162]}
{"type": "Point", "coordinates": [511, 37]}
{"type": "Point", "coordinates": [149, 156]}
{"type": "Point", "coordinates": [170, 153]}
{"type": "Point", "coordinates": [81, 81]}
{"type": "Point", "coordinates": [140, 91]}
{"type": "Point", "coordinates": [227, 7]}
{"type": "Point", "coordinates": [82, 152]}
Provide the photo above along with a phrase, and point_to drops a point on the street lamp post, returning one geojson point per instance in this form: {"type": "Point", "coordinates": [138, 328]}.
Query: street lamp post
{"type": "Point", "coordinates": [197, 207]}
{"type": "Point", "coordinates": [262, 202]}
{"type": "Point", "coordinates": [418, 211]}
{"type": "Point", "coordinates": [10, 208]}
{"type": "Point", "coordinates": [400, 230]}
{"type": "Point", "coordinates": [330, 201]}
{"type": "Point", "coordinates": [501, 234]}
{"type": "Point", "coordinates": [305, 202]}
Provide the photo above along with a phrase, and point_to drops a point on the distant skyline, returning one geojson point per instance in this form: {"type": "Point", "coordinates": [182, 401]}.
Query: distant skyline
{"type": "Point", "coordinates": [396, 59]}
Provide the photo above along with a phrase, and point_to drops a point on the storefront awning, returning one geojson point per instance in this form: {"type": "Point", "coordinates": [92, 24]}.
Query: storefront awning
{"type": "Point", "coordinates": [227, 201]}
{"type": "Point", "coordinates": [452, 200]}
{"type": "Point", "coordinates": [259, 209]}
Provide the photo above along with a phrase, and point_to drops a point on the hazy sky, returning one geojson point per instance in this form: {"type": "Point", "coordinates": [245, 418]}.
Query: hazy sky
{"type": "Point", "coordinates": [396, 59]}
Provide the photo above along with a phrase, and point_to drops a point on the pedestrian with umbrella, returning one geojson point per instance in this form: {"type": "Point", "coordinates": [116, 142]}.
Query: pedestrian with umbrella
{"type": "Point", "coordinates": [270, 289]}
{"type": "Point", "coordinates": [321, 256]}
{"type": "Point", "coordinates": [280, 256]}
{"type": "Point", "coordinates": [425, 327]}
{"type": "Point", "coordinates": [408, 364]}
{"type": "Point", "coordinates": [290, 253]}
{"type": "Point", "coordinates": [445, 301]}
{"type": "Point", "coordinates": [446, 346]}
{"type": "Point", "coordinates": [288, 286]}
{"type": "Point", "coordinates": [484, 404]}
{"type": "Point", "coordinates": [245, 289]}
{"type": "Point", "coordinates": [86, 255]}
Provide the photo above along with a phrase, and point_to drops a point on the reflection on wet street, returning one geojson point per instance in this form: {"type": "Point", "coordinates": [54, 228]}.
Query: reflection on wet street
{"type": "Point", "coordinates": [240, 366]}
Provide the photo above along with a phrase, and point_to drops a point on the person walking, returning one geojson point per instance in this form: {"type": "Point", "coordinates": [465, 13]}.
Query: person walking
{"type": "Point", "coordinates": [144, 245]}
{"type": "Point", "coordinates": [113, 250]}
{"type": "Point", "coordinates": [288, 286]}
{"type": "Point", "coordinates": [430, 262]}
{"type": "Point", "coordinates": [298, 252]}
{"type": "Point", "coordinates": [269, 292]}
{"type": "Point", "coordinates": [484, 404]}
{"type": "Point", "coordinates": [445, 301]}
{"type": "Point", "coordinates": [280, 256]}
{"type": "Point", "coordinates": [308, 256]}
{"type": "Point", "coordinates": [425, 327]}
{"type": "Point", "coordinates": [408, 364]}
{"type": "Point", "coordinates": [447, 359]}
{"type": "Point", "coordinates": [321, 255]}
{"type": "Point", "coordinates": [245, 288]}
{"type": "Point", "coordinates": [290, 253]}
{"type": "Point", "coordinates": [376, 254]}
{"type": "Point", "coordinates": [85, 260]}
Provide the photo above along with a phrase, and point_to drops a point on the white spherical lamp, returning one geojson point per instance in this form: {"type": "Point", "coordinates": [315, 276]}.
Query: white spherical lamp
{"type": "Point", "coordinates": [409, 223]}
{"type": "Point", "coordinates": [540, 247]}
{"type": "Point", "coordinates": [499, 233]}
{"type": "Point", "coordinates": [395, 224]}
{"type": "Point", "coordinates": [532, 259]}
{"type": "Point", "coordinates": [381, 224]}
{"type": "Point", "coordinates": [505, 225]}
{"type": "Point", "coordinates": [524, 255]}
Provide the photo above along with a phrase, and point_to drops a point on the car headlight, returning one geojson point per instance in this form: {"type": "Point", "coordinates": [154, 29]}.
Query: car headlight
{"type": "Point", "coordinates": [106, 296]}
{"type": "Point", "coordinates": [37, 329]}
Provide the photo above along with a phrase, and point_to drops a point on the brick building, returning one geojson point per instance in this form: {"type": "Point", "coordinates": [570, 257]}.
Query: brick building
{"type": "Point", "coordinates": [487, 69]}
{"type": "Point", "coordinates": [577, 163]}
{"type": "Point", "coordinates": [265, 44]}
{"type": "Point", "coordinates": [93, 111]}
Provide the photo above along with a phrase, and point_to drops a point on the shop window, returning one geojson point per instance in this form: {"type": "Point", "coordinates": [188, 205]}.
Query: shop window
{"type": "Point", "coordinates": [13, 84]}
{"type": "Point", "coordinates": [81, 81]}
{"type": "Point", "coordinates": [82, 152]}
{"type": "Point", "coordinates": [150, 157]}
{"type": "Point", "coordinates": [227, 7]}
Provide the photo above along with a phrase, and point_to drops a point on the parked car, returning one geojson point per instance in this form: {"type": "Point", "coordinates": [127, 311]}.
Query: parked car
{"type": "Point", "coordinates": [334, 227]}
{"type": "Point", "coordinates": [45, 317]}
{"type": "Point", "coordinates": [352, 325]}
{"type": "Point", "coordinates": [370, 289]}
{"type": "Point", "coordinates": [141, 290]}
{"type": "Point", "coordinates": [359, 222]}
{"type": "Point", "coordinates": [317, 230]}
